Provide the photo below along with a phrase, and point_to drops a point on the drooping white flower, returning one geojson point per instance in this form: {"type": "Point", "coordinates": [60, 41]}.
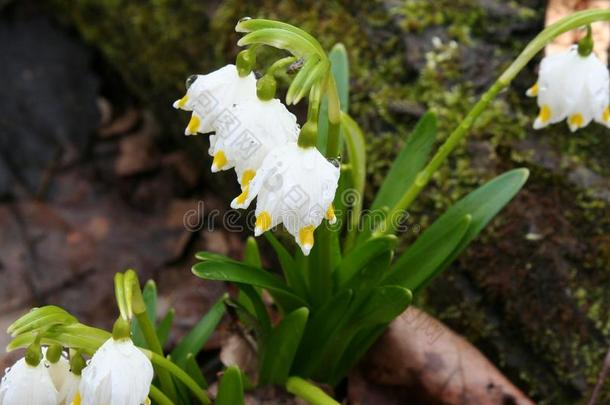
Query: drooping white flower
{"type": "Point", "coordinates": [211, 96]}
{"type": "Point", "coordinates": [118, 374]}
{"type": "Point", "coordinates": [294, 186]}
{"type": "Point", "coordinates": [260, 127]}
{"type": "Point", "coordinates": [574, 87]}
{"type": "Point", "coordinates": [24, 384]}
{"type": "Point", "coordinates": [69, 392]}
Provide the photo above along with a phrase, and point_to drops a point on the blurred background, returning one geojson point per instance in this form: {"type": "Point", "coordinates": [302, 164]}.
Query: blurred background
{"type": "Point", "coordinates": [96, 176]}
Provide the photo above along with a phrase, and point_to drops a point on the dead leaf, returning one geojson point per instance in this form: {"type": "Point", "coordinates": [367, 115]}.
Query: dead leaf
{"type": "Point", "coordinates": [419, 357]}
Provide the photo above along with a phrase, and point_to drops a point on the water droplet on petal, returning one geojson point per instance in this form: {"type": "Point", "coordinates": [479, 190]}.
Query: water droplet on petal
{"type": "Point", "coordinates": [244, 19]}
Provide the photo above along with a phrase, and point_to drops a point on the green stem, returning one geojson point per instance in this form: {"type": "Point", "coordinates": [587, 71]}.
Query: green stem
{"type": "Point", "coordinates": [153, 343]}
{"type": "Point", "coordinates": [180, 375]}
{"type": "Point", "coordinates": [280, 64]}
{"type": "Point", "coordinates": [309, 392]}
{"type": "Point", "coordinates": [159, 397]}
{"type": "Point", "coordinates": [536, 45]}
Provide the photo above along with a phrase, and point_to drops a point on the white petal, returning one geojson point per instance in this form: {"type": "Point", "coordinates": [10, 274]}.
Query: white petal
{"type": "Point", "coordinates": [118, 373]}
{"type": "Point", "coordinates": [27, 385]}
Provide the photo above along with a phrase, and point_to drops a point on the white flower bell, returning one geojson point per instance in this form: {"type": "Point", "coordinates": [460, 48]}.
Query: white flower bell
{"type": "Point", "coordinates": [69, 391]}
{"type": "Point", "coordinates": [294, 186]}
{"type": "Point", "coordinates": [65, 382]}
{"type": "Point", "coordinates": [211, 96]}
{"type": "Point", "coordinates": [574, 87]}
{"type": "Point", "coordinates": [24, 384]}
{"type": "Point", "coordinates": [261, 126]}
{"type": "Point", "coordinates": [118, 374]}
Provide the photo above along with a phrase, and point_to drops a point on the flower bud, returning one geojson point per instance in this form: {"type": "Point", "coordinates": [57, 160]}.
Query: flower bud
{"type": "Point", "coordinates": [266, 87]}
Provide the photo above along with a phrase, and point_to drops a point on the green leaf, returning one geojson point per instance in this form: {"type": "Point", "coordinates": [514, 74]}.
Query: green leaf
{"type": "Point", "coordinates": [420, 263]}
{"type": "Point", "coordinates": [241, 273]}
{"type": "Point", "coordinates": [280, 349]}
{"type": "Point", "coordinates": [356, 152]}
{"type": "Point", "coordinates": [149, 294]}
{"type": "Point", "coordinates": [294, 278]}
{"type": "Point", "coordinates": [213, 257]}
{"type": "Point", "coordinates": [382, 306]}
{"type": "Point", "coordinates": [282, 39]}
{"type": "Point", "coordinates": [165, 326]}
{"type": "Point", "coordinates": [252, 256]}
{"type": "Point", "coordinates": [324, 323]}
{"type": "Point", "coordinates": [339, 65]}
{"type": "Point", "coordinates": [357, 259]}
{"type": "Point", "coordinates": [230, 388]}
{"type": "Point", "coordinates": [481, 205]}
{"type": "Point", "coordinates": [410, 161]}
{"type": "Point", "coordinates": [299, 80]}
{"type": "Point", "coordinates": [250, 25]}
{"type": "Point", "coordinates": [317, 73]}
{"type": "Point", "coordinates": [196, 338]}
{"type": "Point", "coordinates": [259, 309]}
{"type": "Point", "coordinates": [193, 370]}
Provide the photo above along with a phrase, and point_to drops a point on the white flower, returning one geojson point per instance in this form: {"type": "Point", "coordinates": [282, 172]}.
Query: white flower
{"type": "Point", "coordinates": [263, 125]}
{"type": "Point", "coordinates": [294, 186]}
{"type": "Point", "coordinates": [574, 87]}
{"type": "Point", "coordinates": [28, 385]}
{"type": "Point", "coordinates": [210, 96]}
{"type": "Point", "coordinates": [65, 382]}
{"type": "Point", "coordinates": [118, 374]}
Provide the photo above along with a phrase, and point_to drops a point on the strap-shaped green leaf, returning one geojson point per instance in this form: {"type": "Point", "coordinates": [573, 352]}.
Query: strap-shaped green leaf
{"type": "Point", "coordinates": [230, 388]}
{"type": "Point", "coordinates": [149, 294]}
{"type": "Point", "coordinates": [193, 342]}
{"type": "Point", "coordinates": [422, 260]}
{"type": "Point", "coordinates": [323, 325]}
{"type": "Point", "coordinates": [482, 205]}
{"type": "Point", "coordinates": [213, 257]}
{"type": "Point", "coordinates": [252, 255]}
{"type": "Point", "coordinates": [241, 273]}
{"type": "Point", "coordinates": [280, 349]}
{"type": "Point", "coordinates": [411, 159]}
{"type": "Point", "coordinates": [294, 278]}
{"type": "Point", "coordinates": [165, 326]}
{"type": "Point", "coordinates": [356, 152]}
{"type": "Point", "coordinates": [282, 39]}
{"type": "Point", "coordinates": [357, 259]}
{"type": "Point", "coordinates": [250, 25]}
{"type": "Point", "coordinates": [192, 368]}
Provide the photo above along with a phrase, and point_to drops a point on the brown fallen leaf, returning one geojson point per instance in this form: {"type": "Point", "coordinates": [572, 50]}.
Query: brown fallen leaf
{"type": "Point", "coordinates": [421, 360]}
{"type": "Point", "coordinates": [557, 9]}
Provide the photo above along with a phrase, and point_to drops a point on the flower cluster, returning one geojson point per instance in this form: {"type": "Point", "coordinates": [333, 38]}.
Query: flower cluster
{"type": "Point", "coordinates": [294, 184]}
{"type": "Point", "coordinates": [572, 86]}
{"type": "Point", "coordinates": [118, 373]}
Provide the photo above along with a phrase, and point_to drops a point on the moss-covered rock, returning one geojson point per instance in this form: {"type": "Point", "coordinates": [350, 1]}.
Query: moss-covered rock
{"type": "Point", "coordinates": [530, 292]}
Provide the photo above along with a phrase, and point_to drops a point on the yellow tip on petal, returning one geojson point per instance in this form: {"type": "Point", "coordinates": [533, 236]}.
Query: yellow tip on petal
{"type": "Point", "coordinates": [193, 125]}
{"type": "Point", "coordinates": [306, 239]}
{"type": "Point", "coordinates": [182, 102]}
{"type": "Point", "coordinates": [575, 121]}
{"type": "Point", "coordinates": [330, 215]}
{"type": "Point", "coordinates": [263, 223]}
{"type": "Point", "coordinates": [533, 91]}
{"type": "Point", "coordinates": [545, 114]}
{"type": "Point", "coordinates": [247, 177]}
{"type": "Point", "coordinates": [76, 400]}
{"type": "Point", "coordinates": [606, 114]}
{"type": "Point", "coordinates": [220, 160]}
{"type": "Point", "coordinates": [240, 200]}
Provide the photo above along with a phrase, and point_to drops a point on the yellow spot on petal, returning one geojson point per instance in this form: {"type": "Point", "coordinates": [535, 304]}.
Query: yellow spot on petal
{"type": "Point", "coordinates": [545, 114]}
{"type": "Point", "coordinates": [76, 400]}
{"type": "Point", "coordinates": [241, 199]}
{"type": "Point", "coordinates": [247, 177]}
{"type": "Point", "coordinates": [576, 121]}
{"type": "Point", "coordinates": [263, 221]}
{"type": "Point", "coordinates": [306, 236]}
{"type": "Point", "coordinates": [193, 125]}
{"type": "Point", "coordinates": [220, 160]}
{"type": "Point", "coordinates": [606, 114]}
{"type": "Point", "coordinates": [182, 102]}
{"type": "Point", "coordinates": [330, 214]}
{"type": "Point", "coordinates": [533, 91]}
